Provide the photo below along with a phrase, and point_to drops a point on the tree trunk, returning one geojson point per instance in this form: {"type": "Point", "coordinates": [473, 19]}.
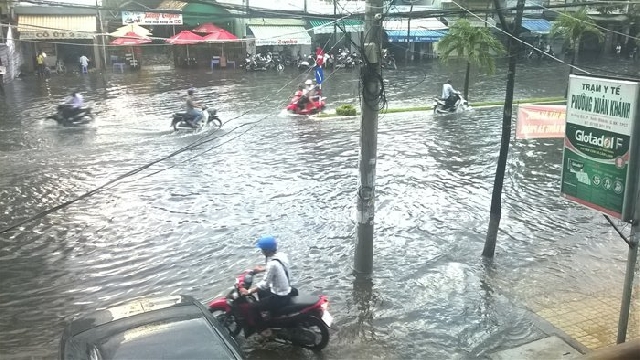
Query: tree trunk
{"type": "Point", "coordinates": [466, 81]}
{"type": "Point", "coordinates": [496, 198]}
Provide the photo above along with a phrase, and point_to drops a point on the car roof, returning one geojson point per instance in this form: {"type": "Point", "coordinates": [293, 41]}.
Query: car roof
{"type": "Point", "coordinates": [144, 316]}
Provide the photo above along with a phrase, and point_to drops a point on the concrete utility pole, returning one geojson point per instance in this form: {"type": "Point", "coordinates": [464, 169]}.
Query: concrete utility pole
{"type": "Point", "coordinates": [335, 24]}
{"type": "Point", "coordinates": [495, 213]}
{"type": "Point", "coordinates": [370, 78]}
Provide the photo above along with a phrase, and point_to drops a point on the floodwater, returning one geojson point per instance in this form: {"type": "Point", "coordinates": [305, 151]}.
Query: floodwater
{"type": "Point", "coordinates": [187, 224]}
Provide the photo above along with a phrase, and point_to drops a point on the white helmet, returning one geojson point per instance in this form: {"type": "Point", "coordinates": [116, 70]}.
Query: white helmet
{"type": "Point", "coordinates": [308, 82]}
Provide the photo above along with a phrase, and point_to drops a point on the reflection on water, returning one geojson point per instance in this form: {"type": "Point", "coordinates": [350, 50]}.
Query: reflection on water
{"type": "Point", "coordinates": [190, 227]}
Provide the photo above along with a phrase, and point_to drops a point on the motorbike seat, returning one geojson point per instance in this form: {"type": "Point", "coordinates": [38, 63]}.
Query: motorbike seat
{"type": "Point", "coordinates": [297, 303]}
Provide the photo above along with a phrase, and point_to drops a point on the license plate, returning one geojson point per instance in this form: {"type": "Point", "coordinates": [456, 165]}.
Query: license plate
{"type": "Point", "coordinates": [327, 318]}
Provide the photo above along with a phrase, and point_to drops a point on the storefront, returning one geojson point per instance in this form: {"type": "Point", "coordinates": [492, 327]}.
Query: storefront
{"type": "Point", "coordinates": [415, 39]}
{"type": "Point", "coordinates": [64, 34]}
{"type": "Point", "coordinates": [278, 35]}
{"type": "Point", "coordinates": [337, 34]}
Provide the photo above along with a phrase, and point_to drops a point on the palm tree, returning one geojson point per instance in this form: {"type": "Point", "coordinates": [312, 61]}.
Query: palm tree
{"type": "Point", "coordinates": [476, 44]}
{"type": "Point", "coordinates": [572, 27]}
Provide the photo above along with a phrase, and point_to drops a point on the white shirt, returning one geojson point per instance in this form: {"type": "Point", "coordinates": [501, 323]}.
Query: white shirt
{"type": "Point", "coordinates": [78, 101]}
{"type": "Point", "coordinates": [275, 278]}
{"type": "Point", "coordinates": [447, 90]}
{"type": "Point", "coordinates": [84, 61]}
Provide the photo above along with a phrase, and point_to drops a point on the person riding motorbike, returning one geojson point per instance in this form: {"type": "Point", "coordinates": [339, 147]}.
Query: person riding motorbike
{"type": "Point", "coordinates": [72, 106]}
{"type": "Point", "coordinates": [449, 95]}
{"type": "Point", "coordinates": [303, 100]}
{"type": "Point", "coordinates": [193, 109]}
{"type": "Point", "coordinates": [274, 290]}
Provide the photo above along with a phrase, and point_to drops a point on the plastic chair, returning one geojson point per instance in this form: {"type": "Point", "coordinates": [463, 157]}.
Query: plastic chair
{"type": "Point", "coordinates": [231, 62]}
{"type": "Point", "coordinates": [118, 65]}
{"type": "Point", "coordinates": [215, 61]}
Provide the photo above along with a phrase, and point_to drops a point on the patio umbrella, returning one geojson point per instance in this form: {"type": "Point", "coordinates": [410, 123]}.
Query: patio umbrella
{"type": "Point", "coordinates": [134, 28]}
{"type": "Point", "coordinates": [131, 39]}
{"type": "Point", "coordinates": [222, 36]}
{"type": "Point", "coordinates": [185, 37]}
{"type": "Point", "coordinates": [207, 28]}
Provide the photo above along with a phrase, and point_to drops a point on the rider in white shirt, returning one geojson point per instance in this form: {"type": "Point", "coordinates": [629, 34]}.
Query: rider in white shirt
{"type": "Point", "coordinates": [447, 94]}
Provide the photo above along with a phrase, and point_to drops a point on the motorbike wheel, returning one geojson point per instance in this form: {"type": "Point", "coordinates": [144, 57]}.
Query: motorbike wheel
{"type": "Point", "coordinates": [216, 121]}
{"type": "Point", "coordinates": [228, 321]}
{"type": "Point", "coordinates": [320, 330]}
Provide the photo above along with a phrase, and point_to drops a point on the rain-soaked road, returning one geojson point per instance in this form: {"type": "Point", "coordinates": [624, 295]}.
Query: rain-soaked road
{"type": "Point", "coordinates": [188, 224]}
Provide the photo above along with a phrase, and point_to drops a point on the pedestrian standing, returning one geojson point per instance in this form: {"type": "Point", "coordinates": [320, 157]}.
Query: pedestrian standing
{"type": "Point", "coordinates": [40, 63]}
{"type": "Point", "coordinates": [84, 63]}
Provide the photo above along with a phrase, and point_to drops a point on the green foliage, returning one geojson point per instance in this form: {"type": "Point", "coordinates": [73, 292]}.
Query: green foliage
{"type": "Point", "coordinates": [475, 44]}
{"type": "Point", "coordinates": [346, 110]}
{"type": "Point", "coordinates": [573, 26]}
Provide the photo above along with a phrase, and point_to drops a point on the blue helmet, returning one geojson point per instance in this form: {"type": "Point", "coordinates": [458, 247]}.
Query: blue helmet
{"type": "Point", "coordinates": [267, 243]}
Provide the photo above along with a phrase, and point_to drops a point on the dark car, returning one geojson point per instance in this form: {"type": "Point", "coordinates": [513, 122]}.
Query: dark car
{"type": "Point", "coordinates": [170, 327]}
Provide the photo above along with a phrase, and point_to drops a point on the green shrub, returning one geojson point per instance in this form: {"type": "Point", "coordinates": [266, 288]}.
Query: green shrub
{"type": "Point", "coordinates": [346, 110]}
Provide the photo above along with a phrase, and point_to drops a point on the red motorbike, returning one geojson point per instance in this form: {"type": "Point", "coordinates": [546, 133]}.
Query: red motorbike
{"type": "Point", "coordinates": [304, 322]}
{"type": "Point", "coordinates": [310, 108]}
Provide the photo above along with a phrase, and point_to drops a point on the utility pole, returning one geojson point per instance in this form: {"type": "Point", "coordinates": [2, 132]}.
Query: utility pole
{"type": "Point", "coordinates": [104, 45]}
{"type": "Point", "coordinates": [495, 213]}
{"type": "Point", "coordinates": [406, 55]}
{"type": "Point", "coordinates": [335, 25]}
{"type": "Point", "coordinates": [370, 76]}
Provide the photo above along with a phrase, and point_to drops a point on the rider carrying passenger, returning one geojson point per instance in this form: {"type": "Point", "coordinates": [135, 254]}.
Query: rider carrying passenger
{"type": "Point", "coordinates": [303, 99]}
{"type": "Point", "coordinates": [274, 289]}
{"type": "Point", "coordinates": [449, 95]}
{"type": "Point", "coordinates": [193, 109]}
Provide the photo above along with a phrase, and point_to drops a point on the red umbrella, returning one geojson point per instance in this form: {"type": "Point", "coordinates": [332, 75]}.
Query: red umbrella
{"type": "Point", "coordinates": [222, 35]}
{"type": "Point", "coordinates": [207, 28]}
{"type": "Point", "coordinates": [184, 38]}
{"type": "Point", "coordinates": [130, 39]}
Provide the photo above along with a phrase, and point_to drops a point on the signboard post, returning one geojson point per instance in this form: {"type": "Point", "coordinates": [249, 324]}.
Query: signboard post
{"type": "Point", "coordinates": [598, 169]}
{"type": "Point", "coordinates": [601, 159]}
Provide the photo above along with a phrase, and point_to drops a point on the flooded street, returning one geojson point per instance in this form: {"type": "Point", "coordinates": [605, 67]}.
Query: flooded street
{"type": "Point", "coordinates": [188, 224]}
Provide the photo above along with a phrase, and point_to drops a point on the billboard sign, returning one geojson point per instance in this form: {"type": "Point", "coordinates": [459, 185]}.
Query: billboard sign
{"type": "Point", "coordinates": [150, 18]}
{"type": "Point", "coordinates": [540, 121]}
{"type": "Point", "coordinates": [600, 149]}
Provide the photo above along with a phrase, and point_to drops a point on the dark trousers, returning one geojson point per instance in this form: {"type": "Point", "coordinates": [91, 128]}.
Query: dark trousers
{"type": "Point", "coordinates": [450, 101]}
{"type": "Point", "coordinates": [68, 111]}
{"type": "Point", "coordinates": [268, 302]}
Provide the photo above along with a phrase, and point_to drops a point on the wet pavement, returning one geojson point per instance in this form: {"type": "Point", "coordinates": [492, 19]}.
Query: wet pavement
{"type": "Point", "coordinates": [187, 224]}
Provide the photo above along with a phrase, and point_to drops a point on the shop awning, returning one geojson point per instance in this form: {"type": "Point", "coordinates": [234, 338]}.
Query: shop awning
{"type": "Point", "coordinates": [45, 27]}
{"type": "Point", "coordinates": [538, 26]}
{"type": "Point", "coordinates": [326, 26]}
{"type": "Point", "coordinates": [280, 35]}
{"type": "Point", "coordinates": [474, 21]}
{"type": "Point", "coordinates": [420, 30]}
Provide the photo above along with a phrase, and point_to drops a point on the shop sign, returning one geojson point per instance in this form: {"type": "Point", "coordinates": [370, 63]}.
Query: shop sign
{"type": "Point", "coordinates": [267, 42]}
{"type": "Point", "coordinates": [600, 156]}
{"type": "Point", "coordinates": [150, 18]}
{"type": "Point", "coordinates": [540, 121]}
{"type": "Point", "coordinates": [54, 35]}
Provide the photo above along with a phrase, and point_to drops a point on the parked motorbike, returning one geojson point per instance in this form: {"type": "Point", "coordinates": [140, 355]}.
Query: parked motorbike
{"type": "Point", "coordinates": [304, 322]}
{"type": "Point", "coordinates": [305, 62]}
{"type": "Point", "coordinates": [255, 62]}
{"type": "Point", "coordinates": [182, 120]}
{"type": "Point", "coordinates": [68, 116]}
{"type": "Point", "coordinates": [460, 104]}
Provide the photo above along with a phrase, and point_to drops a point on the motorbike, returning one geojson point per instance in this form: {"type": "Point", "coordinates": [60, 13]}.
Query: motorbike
{"type": "Point", "coordinates": [68, 117]}
{"type": "Point", "coordinates": [255, 62]}
{"type": "Point", "coordinates": [388, 60]}
{"type": "Point", "coordinates": [310, 108]}
{"type": "Point", "coordinates": [182, 120]}
{"type": "Point", "coordinates": [439, 107]}
{"type": "Point", "coordinates": [305, 62]}
{"type": "Point", "coordinates": [304, 322]}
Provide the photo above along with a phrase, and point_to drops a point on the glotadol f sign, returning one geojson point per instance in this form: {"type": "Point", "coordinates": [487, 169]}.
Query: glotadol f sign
{"type": "Point", "coordinates": [600, 159]}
